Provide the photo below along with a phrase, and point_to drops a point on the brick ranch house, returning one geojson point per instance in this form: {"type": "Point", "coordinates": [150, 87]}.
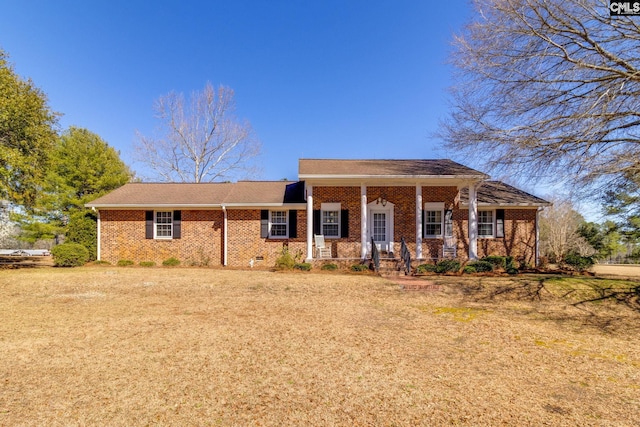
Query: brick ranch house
{"type": "Point", "coordinates": [439, 207]}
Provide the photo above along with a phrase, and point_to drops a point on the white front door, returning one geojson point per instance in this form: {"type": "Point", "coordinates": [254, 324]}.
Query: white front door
{"type": "Point", "coordinates": [379, 229]}
{"type": "Point", "coordinates": [380, 226]}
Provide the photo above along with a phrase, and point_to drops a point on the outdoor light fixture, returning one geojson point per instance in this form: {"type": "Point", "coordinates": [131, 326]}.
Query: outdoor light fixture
{"type": "Point", "coordinates": [381, 200]}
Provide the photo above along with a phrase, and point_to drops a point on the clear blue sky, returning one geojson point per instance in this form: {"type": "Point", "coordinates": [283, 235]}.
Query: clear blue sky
{"type": "Point", "coordinates": [316, 79]}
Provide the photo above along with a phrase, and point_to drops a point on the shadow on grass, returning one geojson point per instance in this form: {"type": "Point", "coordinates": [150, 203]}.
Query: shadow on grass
{"type": "Point", "coordinates": [606, 303]}
{"type": "Point", "coordinates": [24, 262]}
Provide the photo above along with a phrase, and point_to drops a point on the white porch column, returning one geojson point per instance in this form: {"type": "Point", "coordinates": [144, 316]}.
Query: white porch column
{"type": "Point", "coordinates": [363, 222]}
{"type": "Point", "coordinates": [309, 223]}
{"type": "Point", "coordinates": [537, 261]}
{"type": "Point", "coordinates": [473, 222]}
{"type": "Point", "coordinates": [418, 221]}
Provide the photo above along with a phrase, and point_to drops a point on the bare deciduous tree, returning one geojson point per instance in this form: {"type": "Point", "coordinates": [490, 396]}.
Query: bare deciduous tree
{"type": "Point", "coordinates": [559, 225]}
{"type": "Point", "coordinates": [548, 87]}
{"type": "Point", "coordinates": [202, 141]}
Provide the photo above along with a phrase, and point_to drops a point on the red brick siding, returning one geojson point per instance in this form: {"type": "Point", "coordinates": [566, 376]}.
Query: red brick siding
{"type": "Point", "coordinates": [519, 236]}
{"type": "Point", "coordinates": [245, 242]}
{"type": "Point", "coordinates": [122, 235]}
{"type": "Point", "coordinates": [349, 198]}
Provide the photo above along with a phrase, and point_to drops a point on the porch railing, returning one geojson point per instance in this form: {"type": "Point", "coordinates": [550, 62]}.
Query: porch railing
{"type": "Point", "coordinates": [375, 256]}
{"type": "Point", "coordinates": [405, 256]}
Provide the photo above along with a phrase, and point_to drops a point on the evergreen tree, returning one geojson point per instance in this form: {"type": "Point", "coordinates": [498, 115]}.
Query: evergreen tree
{"type": "Point", "coordinates": [27, 136]}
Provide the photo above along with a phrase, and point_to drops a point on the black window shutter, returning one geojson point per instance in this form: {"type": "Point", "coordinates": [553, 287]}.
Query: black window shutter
{"type": "Point", "coordinates": [177, 224]}
{"type": "Point", "coordinates": [148, 224]}
{"type": "Point", "coordinates": [344, 223]}
{"type": "Point", "coordinates": [317, 225]}
{"type": "Point", "coordinates": [293, 224]}
{"type": "Point", "coordinates": [424, 220]}
{"type": "Point", "coordinates": [264, 223]}
{"type": "Point", "coordinates": [499, 222]}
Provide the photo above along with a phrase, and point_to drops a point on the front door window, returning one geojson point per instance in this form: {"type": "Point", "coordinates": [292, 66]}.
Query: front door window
{"type": "Point", "coordinates": [380, 227]}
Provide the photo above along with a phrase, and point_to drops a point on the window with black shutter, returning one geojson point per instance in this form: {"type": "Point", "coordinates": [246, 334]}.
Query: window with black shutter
{"type": "Point", "coordinates": [499, 222]}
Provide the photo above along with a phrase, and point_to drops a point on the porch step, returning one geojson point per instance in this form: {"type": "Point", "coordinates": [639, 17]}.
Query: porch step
{"type": "Point", "coordinates": [390, 267]}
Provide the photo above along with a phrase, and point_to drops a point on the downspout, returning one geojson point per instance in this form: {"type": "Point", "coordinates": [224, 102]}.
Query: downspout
{"type": "Point", "coordinates": [225, 238]}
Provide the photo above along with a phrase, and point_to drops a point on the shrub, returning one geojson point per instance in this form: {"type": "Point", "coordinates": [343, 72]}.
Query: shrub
{"type": "Point", "coordinates": [124, 262]}
{"type": "Point", "coordinates": [359, 267]}
{"type": "Point", "coordinates": [70, 255]}
{"type": "Point", "coordinates": [496, 261]}
{"type": "Point", "coordinates": [83, 229]}
{"type": "Point", "coordinates": [171, 262]}
{"type": "Point", "coordinates": [304, 266]}
{"type": "Point", "coordinates": [101, 262]}
{"type": "Point", "coordinates": [469, 269]}
{"type": "Point", "coordinates": [285, 261]}
{"type": "Point", "coordinates": [147, 263]}
{"type": "Point", "coordinates": [447, 265]}
{"type": "Point", "coordinates": [512, 270]}
{"type": "Point", "coordinates": [510, 263]}
{"type": "Point", "coordinates": [329, 267]}
{"type": "Point", "coordinates": [425, 268]}
{"type": "Point", "coordinates": [481, 266]}
{"type": "Point", "coordinates": [578, 261]}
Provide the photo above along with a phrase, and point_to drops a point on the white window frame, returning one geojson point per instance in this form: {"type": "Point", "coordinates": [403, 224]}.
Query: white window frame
{"type": "Point", "coordinates": [492, 223]}
{"type": "Point", "coordinates": [156, 223]}
{"type": "Point", "coordinates": [272, 223]}
{"type": "Point", "coordinates": [335, 208]}
{"type": "Point", "coordinates": [433, 207]}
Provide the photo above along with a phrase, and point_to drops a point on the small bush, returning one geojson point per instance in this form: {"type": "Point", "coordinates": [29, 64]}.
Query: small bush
{"type": "Point", "coordinates": [512, 270]}
{"type": "Point", "coordinates": [481, 266]}
{"type": "Point", "coordinates": [171, 262]}
{"type": "Point", "coordinates": [447, 265]}
{"type": "Point", "coordinates": [101, 262]}
{"type": "Point", "coordinates": [329, 267]}
{"type": "Point", "coordinates": [70, 255]}
{"type": "Point", "coordinates": [147, 263]}
{"type": "Point", "coordinates": [425, 268]}
{"type": "Point", "coordinates": [285, 261]}
{"type": "Point", "coordinates": [579, 262]}
{"type": "Point", "coordinates": [469, 269]}
{"type": "Point", "coordinates": [497, 261]}
{"type": "Point", "coordinates": [304, 266]}
{"type": "Point", "coordinates": [124, 262]}
{"type": "Point", "coordinates": [359, 267]}
{"type": "Point", "coordinates": [510, 263]}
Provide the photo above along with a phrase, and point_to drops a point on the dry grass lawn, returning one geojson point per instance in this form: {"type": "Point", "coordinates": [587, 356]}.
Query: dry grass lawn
{"type": "Point", "coordinates": [161, 346]}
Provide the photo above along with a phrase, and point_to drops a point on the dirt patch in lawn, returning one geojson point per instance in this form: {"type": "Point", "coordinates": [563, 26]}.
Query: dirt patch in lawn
{"type": "Point", "coordinates": [135, 346]}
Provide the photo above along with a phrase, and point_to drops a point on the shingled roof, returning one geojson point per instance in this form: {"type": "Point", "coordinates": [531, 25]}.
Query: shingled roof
{"type": "Point", "coordinates": [440, 168]}
{"type": "Point", "coordinates": [497, 193]}
{"type": "Point", "coordinates": [242, 193]}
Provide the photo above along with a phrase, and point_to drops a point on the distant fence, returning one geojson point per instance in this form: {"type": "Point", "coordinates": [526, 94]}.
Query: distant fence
{"type": "Point", "coordinates": [25, 252]}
